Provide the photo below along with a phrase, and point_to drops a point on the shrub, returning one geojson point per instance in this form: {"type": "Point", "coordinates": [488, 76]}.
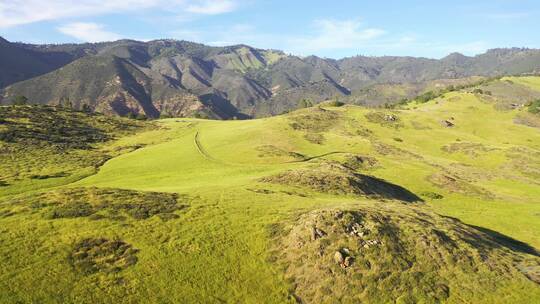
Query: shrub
{"type": "Point", "coordinates": [427, 97]}
{"type": "Point", "coordinates": [86, 108]}
{"type": "Point", "coordinates": [335, 103]}
{"type": "Point", "coordinates": [304, 103]}
{"type": "Point", "coordinates": [478, 91]}
{"type": "Point", "coordinates": [432, 195]}
{"type": "Point", "coordinates": [534, 107]}
{"type": "Point", "coordinates": [20, 100]}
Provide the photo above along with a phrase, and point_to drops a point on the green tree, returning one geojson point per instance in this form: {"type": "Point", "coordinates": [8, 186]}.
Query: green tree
{"type": "Point", "coordinates": [86, 108]}
{"type": "Point", "coordinates": [20, 100]}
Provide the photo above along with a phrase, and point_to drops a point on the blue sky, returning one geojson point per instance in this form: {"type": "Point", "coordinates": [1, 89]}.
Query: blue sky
{"type": "Point", "coordinates": [332, 29]}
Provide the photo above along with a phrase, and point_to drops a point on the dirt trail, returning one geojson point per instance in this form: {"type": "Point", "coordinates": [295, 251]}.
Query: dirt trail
{"type": "Point", "coordinates": [316, 156]}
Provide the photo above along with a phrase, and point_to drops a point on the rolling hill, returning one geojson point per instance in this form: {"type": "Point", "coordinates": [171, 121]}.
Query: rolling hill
{"type": "Point", "coordinates": [433, 202]}
{"type": "Point", "coordinates": [185, 79]}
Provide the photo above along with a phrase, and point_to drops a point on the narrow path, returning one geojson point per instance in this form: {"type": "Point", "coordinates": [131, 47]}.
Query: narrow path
{"type": "Point", "coordinates": [206, 155]}
{"type": "Point", "coordinates": [200, 148]}
{"type": "Point", "coordinates": [315, 157]}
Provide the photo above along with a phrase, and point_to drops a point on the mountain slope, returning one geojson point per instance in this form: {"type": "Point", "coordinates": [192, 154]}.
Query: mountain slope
{"type": "Point", "coordinates": [179, 78]}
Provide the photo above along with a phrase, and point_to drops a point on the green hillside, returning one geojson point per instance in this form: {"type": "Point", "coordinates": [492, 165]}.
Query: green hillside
{"type": "Point", "coordinates": [433, 202]}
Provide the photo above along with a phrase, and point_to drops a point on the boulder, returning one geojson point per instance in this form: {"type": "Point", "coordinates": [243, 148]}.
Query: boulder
{"type": "Point", "coordinates": [339, 258]}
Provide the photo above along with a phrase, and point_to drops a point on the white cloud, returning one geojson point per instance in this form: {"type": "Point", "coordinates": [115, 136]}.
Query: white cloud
{"type": "Point", "coordinates": [88, 32]}
{"type": "Point", "coordinates": [334, 34]}
{"type": "Point", "coordinates": [211, 7]}
{"type": "Point", "coordinates": [18, 12]}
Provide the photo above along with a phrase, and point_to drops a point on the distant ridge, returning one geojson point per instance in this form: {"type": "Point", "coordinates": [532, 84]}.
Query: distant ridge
{"type": "Point", "coordinates": [179, 78]}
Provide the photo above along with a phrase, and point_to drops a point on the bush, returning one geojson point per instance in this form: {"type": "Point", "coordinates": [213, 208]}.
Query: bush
{"type": "Point", "coordinates": [335, 103]}
{"type": "Point", "coordinates": [478, 91]}
{"type": "Point", "coordinates": [534, 107]}
{"type": "Point", "coordinates": [86, 108]}
{"type": "Point", "coordinates": [20, 100]}
{"type": "Point", "coordinates": [432, 195]}
{"type": "Point", "coordinates": [304, 103]}
{"type": "Point", "coordinates": [427, 97]}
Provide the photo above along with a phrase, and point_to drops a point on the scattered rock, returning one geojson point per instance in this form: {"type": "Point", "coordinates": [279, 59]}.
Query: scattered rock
{"type": "Point", "coordinates": [370, 243]}
{"type": "Point", "coordinates": [348, 262]}
{"type": "Point", "coordinates": [343, 258]}
{"type": "Point", "coordinates": [317, 233]}
{"type": "Point", "coordinates": [447, 123]}
{"type": "Point", "coordinates": [390, 117]}
{"type": "Point", "coordinates": [384, 119]}
{"type": "Point", "coordinates": [338, 257]}
{"type": "Point", "coordinates": [397, 259]}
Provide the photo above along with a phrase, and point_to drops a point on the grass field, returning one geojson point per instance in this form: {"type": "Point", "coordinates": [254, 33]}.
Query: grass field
{"type": "Point", "coordinates": [461, 156]}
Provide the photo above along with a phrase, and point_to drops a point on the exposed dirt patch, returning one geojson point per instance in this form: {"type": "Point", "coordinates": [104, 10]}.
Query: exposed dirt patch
{"type": "Point", "coordinates": [93, 255]}
{"type": "Point", "coordinates": [392, 255]}
{"type": "Point", "coordinates": [332, 177]}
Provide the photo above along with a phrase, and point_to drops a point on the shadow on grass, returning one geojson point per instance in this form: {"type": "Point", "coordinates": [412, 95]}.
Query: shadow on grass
{"type": "Point", "coordinates": [381, 188]}
{"type": "Point", "coordinates": [508, 242]}
{"type": "Point", "coordinates": [496, 240]}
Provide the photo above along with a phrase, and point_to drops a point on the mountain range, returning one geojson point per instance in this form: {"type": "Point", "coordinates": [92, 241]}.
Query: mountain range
{"type": "Point", "coordinates": [181, 78]}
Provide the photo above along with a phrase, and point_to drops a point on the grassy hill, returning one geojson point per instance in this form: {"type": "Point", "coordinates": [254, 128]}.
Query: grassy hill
{"type": "Point", "coordinates": [432, 202]}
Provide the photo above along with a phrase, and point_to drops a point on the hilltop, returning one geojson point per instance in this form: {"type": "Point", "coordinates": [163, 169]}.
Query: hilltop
{"type": "Point", "coordinates": [435, 201]}
{"type": "Point", "coordinates": [164, 78]}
